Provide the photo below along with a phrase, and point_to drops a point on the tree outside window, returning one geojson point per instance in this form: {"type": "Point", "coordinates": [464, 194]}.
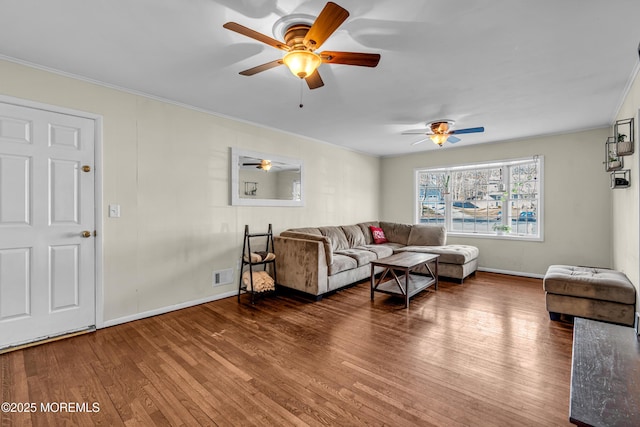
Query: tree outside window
{"type": "Point", "coordinates": [480, 199]}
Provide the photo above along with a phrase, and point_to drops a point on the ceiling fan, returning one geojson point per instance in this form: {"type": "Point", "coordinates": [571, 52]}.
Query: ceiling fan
{"type": "Point", "coordinates": [264, 164]}
{"type": "Point", "coordinates": [440, 131]}
{"type": "Point", "coordinates": [301, 42]}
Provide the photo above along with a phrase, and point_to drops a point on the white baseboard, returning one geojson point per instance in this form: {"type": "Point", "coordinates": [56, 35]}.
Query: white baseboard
{"type": "Point", "coordinates": [164, 310]}
{"type": "Point", "coordinates": [511, 273]}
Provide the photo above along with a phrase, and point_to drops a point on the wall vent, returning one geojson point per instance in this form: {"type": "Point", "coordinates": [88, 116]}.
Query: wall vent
{"type": "Point", "coordinates": [223, 277]}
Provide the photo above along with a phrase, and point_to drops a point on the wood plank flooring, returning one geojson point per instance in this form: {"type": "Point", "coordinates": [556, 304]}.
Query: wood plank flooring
{"type": "Point", "coordinates": [478, 354]}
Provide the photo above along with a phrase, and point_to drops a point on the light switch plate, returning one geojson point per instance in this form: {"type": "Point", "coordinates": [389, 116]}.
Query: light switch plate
{"type": "Point", "coordinates": [114, 211]}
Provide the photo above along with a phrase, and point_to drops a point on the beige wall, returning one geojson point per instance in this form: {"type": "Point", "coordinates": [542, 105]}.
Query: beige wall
{"type": "Point", "coordinates": [577, 199]}
{"type": "Point", "coordinates": [168, 168]}
{"type": "Point", "coordinates": [625, 222]}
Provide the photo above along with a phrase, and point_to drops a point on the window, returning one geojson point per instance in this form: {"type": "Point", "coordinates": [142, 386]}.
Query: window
{"type": "Point", "coordinates": [296, 192]}
{"type": "Point", "coordinates": [482, 198]}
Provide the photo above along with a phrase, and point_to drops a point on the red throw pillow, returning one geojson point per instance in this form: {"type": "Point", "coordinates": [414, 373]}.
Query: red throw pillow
{"type": "Point", "coordinates": [378, 235]}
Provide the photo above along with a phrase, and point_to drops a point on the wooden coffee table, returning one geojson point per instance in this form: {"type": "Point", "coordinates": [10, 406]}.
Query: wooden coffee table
{"type": "Point", "coordinates": [406, 284]}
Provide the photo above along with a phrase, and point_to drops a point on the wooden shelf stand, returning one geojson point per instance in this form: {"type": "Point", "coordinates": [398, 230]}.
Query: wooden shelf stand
{"type": "Point", "coordinates": [247, 263]}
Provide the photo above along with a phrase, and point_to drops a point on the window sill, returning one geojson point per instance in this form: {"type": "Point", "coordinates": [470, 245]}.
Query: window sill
{"type": "Point", "coordinates": [495, 236]}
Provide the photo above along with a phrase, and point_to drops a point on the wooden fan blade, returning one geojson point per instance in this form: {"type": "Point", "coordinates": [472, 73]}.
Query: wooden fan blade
{"type": "Point", "coordinates": [261, 68]}
{"type": "Point", "coordinates": [468, 130]}
{"type": "Point", "coordinates": [330, 18]}
{"type": "Point", "coordinates": [351, 58]}
{"type": "Point", "coordinates": [314, 81]}
{"type": "Point", "coordinates": [241, 29]}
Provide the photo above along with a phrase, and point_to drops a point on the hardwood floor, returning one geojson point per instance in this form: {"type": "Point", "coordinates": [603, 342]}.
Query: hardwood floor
{"type": "Point", "coordinates": [478, 354]}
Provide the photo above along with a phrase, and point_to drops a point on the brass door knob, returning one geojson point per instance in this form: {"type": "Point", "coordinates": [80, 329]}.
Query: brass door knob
{"type": "Point", "coordinates": [86, 234]}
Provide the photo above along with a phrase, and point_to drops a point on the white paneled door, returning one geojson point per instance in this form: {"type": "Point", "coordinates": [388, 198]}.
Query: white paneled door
{"type": "Point", "coordinates": [47, 223]}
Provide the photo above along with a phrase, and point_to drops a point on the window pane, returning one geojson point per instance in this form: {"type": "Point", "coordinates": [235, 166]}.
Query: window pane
{"type": "Point", "coordinates": [524, 198]}
{"type": "Point", "coordinates": [476, 202]}
{"type": "Point", "coordinates": [430, 197]}
{"type": "Point", "coordinates": [524, 217]}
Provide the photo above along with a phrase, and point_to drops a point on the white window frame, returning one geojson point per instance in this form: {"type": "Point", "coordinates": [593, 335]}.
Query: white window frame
{"type": "Point", "coordinates": [506, 177]}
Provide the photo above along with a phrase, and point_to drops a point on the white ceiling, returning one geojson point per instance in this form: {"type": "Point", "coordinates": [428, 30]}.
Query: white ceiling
{"type": "Point", "coordinates": [519, 68]}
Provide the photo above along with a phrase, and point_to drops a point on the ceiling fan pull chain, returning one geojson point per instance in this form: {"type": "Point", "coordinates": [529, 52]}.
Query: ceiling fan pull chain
{"type": "Point", "coordinates": [301, 105]}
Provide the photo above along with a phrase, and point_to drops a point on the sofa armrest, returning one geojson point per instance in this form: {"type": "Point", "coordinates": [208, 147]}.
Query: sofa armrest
{"type": "Point", "coordinates": [301, 264]}
{"type": "Point", "coordinates": [326, 242]}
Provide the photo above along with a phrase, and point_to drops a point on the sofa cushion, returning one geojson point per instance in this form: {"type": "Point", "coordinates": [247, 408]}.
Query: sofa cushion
{"type": "Point", "coordinates": [306, 230]}
{"type": "Point", "coordinates": [396, 233]}
{"type": "Point", "coordinates": [354, 235]}
{"type": "Point", "coordinates": [364, 226]}
{"type": "Point", "coordinates": [427, 235]}
{"type": "Point", "coordinates": [336, 236]}
{"type": "Point", "coordinates": [362, 256]}
{"type": "Point", "coordinates": [589, 282]}
{"type": "Point", "coordinates": [381, 251]}
{"type": "Point", "coordinates": [341, 263]}
{"type": "Point", "coordinates": [450, 254]}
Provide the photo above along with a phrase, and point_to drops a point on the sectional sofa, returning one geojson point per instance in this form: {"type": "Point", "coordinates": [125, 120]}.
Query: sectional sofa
{"type": "Point", "coordinates": [318, 260]}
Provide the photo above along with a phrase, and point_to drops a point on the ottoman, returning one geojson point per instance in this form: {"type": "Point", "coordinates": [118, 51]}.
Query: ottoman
{"type": "Point", "coordinates": [592, 293]}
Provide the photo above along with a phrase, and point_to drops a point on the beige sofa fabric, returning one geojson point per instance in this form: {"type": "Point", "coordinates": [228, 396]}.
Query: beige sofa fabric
{"type": "Point", "coordinates": [326, 243]}
{"type": "Point", "coordinates": [361, 255]}
{"type": "Point", "coordinates": [342, 263]}
{"type": "Point", "coordinates": [366, 231]}
{"type": "Point", "coordinates": [381, 251]}
{"type": "Point", "coordinates": [354, 235]}
{"type": "Point", "coordinates": [341, 255]}
{"type": "Point", "coordinates": [336, 237]}
{"type": "Point", "coordinates": [589, 282]}
{"type": "Point", "coordinates": [427, 235]}
{"type": "Point", "coordinates": [592, 293]}
{"type": "Point", "coordinates": [605, 311]}
{"type": "Point", "coordinates": [305, 266]}
{"type": "Point", "coordinates": [458, 254]}
{"type": "Point", "coordinates": [397, 233]}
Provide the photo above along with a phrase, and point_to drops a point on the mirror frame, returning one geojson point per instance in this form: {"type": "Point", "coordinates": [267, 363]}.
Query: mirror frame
{"type": "Point", "coordinates": [235, 198]}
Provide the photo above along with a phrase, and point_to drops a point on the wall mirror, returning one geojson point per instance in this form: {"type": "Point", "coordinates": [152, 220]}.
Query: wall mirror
{"type": "Point", "coordinates": [263, 179]}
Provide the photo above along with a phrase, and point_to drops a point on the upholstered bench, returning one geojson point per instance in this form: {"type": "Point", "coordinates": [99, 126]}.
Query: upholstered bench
{"type": "Point", "coordinates": [592, 293]}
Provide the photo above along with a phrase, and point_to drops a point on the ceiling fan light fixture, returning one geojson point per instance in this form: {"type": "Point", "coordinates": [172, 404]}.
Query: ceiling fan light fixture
{"type": "Point", "coordinates": [265, 165]}
{"type": "Point", "coordinates": [302, 63]}
{"type": "Point", "coordinates": [439, 138]}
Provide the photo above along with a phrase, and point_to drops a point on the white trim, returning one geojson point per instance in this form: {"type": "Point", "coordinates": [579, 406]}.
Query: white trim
{"type": "Point", "coordinates": [479, 165]}
{"type": "Point", "coordinates": [172, 102]}
{"type": "Point", "coordinates": [164, 310]}
{"type": "Point", "coordinates": [99, 220]}
{"type": "Point", "coordinates": [495, 236]}
{"type": "Point", "coordinates": [511, 273]}
{"type": "Point", "coordinates": [483, 165]}
{"type": "Point", "coordinates": [625, 93]}
{"type": "Point", "coordinates": [98, 191]}
{"type": "Point", "coordinates": [21, 102]}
